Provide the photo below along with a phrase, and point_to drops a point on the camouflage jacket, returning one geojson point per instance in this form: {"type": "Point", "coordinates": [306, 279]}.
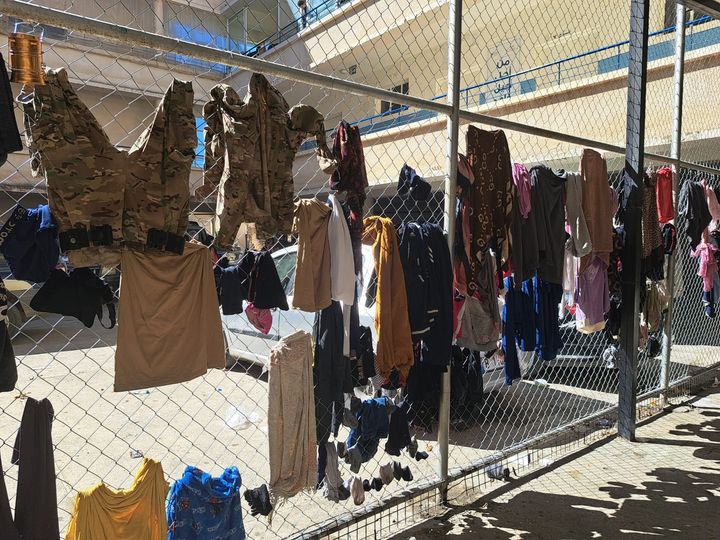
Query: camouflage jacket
{"type": "Point", "coordinates": [250, 146]}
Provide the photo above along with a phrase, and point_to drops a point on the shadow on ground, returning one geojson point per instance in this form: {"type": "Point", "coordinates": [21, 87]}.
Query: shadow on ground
{"type": "Point", "coordinates": [674, 502]}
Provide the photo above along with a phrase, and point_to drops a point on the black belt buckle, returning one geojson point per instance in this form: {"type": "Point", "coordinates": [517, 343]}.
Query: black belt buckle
{"type": "Point", "coordinates": [175, 244]}
{"type": "Point", "coordinates": [74, 239]}
{"type": "Point", "coordinates": [101, 235]}
{"type": "Point", "coordinates": [156, 239]}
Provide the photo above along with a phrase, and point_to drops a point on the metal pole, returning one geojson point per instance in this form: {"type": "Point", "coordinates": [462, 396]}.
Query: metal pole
{"type": "Point", "coordinates": [678, 77]}
{"type": "Point", "coordinates": [451, 164]}
{"type": "Point", "coordinates": [632, 278]}
{"type": "Point", "coordinates": [245, 28]}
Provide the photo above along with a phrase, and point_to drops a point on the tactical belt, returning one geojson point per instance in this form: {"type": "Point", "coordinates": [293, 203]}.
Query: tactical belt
{"type": "Point", "coordinates": [165, 241]}
{"type": "Point", "coordinates": [78, 238]}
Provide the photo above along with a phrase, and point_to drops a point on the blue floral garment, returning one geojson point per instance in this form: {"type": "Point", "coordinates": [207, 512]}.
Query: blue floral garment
{"type": "Point", "coordinates": [200, 507]}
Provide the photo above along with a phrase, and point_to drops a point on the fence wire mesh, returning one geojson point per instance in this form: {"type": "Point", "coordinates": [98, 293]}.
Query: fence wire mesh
{"type": "Point", "coordinates": [551, 64]}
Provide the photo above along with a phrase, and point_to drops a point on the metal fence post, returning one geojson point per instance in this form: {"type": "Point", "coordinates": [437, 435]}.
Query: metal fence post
{"type": "Point", "coordinates": [675, 141]}
{"type": "Point", "coordinates": [632, 279]}
{"type": "Point", "coordinates": [453, 134]}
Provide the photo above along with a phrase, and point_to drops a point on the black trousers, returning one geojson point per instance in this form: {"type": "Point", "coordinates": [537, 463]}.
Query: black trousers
{"type": "Point", "coordinates": [36, 516]}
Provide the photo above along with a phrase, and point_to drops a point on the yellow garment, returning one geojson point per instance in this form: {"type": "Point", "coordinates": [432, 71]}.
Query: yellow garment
{"type": "Point", "coordinates": [392, 322]}
{"type": "Point", "coordinates": [138, 513]}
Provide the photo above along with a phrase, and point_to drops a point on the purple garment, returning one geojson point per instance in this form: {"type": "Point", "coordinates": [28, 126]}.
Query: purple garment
{"type": "Point", "coordinates": [592, 297]}
{"type": "Point", "coordinates": [521, 179]}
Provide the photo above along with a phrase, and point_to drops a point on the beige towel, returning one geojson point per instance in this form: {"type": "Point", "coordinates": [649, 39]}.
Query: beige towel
{"type": "Point", "coordinates": [312, 274]}
{"type": "Point", "coordinates": [291, 417]}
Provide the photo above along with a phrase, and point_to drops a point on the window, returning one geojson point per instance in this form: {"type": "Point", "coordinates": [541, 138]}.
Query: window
{"type": "Point", "coordinates": [199, 160]}
{"type": "Point", "coordinates": [389, 106]}
{"type": "Point", "coordinates": [285, 265]}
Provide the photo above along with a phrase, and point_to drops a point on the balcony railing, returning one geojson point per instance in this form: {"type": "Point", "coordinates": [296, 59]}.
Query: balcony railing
{"type": "Point", "coordinates": [587, 64]}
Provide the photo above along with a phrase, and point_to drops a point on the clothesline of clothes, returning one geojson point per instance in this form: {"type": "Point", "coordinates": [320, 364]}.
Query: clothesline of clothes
{"type": "Point", "coordinates": [198, 504]}
{"type": "Point", "coordinates": [195, 506]}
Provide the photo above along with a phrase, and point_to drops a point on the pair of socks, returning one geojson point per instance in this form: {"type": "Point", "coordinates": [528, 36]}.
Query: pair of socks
{"type": "Point", "coordinates": [259, 500]}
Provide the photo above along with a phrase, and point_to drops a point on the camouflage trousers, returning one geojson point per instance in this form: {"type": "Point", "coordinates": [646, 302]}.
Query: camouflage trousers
{"type": "Point", "coordinates": [104, 199]}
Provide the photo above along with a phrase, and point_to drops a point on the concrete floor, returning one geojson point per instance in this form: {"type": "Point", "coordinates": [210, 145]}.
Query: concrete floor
{"type": "Point", "coordinates": [665, 485]}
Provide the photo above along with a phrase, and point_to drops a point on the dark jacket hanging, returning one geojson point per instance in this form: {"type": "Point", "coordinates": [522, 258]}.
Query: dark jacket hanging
{"type": "Point", "coordinates": [36, 516]}
{"type": "Point", "coordinates": [692, 206]}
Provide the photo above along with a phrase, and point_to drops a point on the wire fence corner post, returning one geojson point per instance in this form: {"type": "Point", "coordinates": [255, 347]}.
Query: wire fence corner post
{"type": "Point", "coordinates": [675, 142]}
{"type": "Point", "coordinates": [633, 178]}
{"type": "Point", "coordinates": [451, 164]}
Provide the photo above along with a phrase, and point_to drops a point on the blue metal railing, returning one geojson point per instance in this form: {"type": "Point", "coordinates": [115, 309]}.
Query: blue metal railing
{"type": "Point", "coordinates": [289, 30]}
{"type": "Point", "coordinates": [575, 67]}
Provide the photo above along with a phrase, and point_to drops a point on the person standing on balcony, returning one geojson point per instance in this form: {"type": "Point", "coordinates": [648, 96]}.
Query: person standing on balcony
{"type": "Point", "coordinates": [304, 6]}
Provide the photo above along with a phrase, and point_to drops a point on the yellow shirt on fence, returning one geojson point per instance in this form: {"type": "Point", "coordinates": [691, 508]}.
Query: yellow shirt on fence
{"type": "Point", "coordinates": [138, 513]}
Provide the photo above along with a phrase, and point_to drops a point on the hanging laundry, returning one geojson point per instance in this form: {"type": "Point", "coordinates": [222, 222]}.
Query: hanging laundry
{"type": "Point", "coordinates": [466, 177]}
{"type": "Point", "coordinates": [363, 364]}
{"type": "Point", "coordinates": [331, 484]}
{"type": "Point", "coordinates": [518, 325]}
{"type": "Point", "coordinates": [313, 287]}
{"type": "Point", "coordinates": [418, 286]}
{"type": "Point", "coordinates": [669, 238]}
{"type": "Point", "coordinates": [351, 177]}
{"type": "Point", "coordinates": [612, 318]}
{"type": "Point", "coordinates": [36, 515]}
{"type": "Point", "coordinates": [157, 194]}
{"type": "Point", "coordinates": [524, 246]}
{"type": "Point", "coordinates": [292, 434]}
{"type": "Point", "coordinates": [422, 392]}
{"type": "Point", "coordinates": [342, 268]}
{"type": "Point", "coordinates": [137, 513]}
{"type": "Point", "coordinates": [200, 506]}
{"type": "Point", "coordinates": [259, 318]}
{"type": "Point", "coordinates": [490, 196]}
{"type": "Point", "coordinates": [412, 184]}
{"type": "Point", "coordinates": [8, 369]}
{"type": "Point", "coordinates": [253, 279]}
{"type": "Point", "coordinates": [548, 215]}
{"type": "Point", "coordinates": [569, 277]}
{"type": "Point", "coordinates": [170, 329]}
{"type": "Point", "coordinates": [467, 390]}
{"type": "Point", "coordinates": [80, 294]}
{"type": "Point", "coordinates": [656, 304]}
{"type": "Point", "coordinates": [250, 147]}
{"type": "Point", "coordinates": [592, 297]}
{"type": "Point", "coordinates": [84, 172]}
{"type": "Point", "coordinates": [546, 297]}
{"type": "Point", "coordinates": [708, 270]}
{"type": "Point", "coordinates": [259, 500]}
{"type": "Point", "coordinates": [398, 430]}
{"type": "Point", "coordinates": [597, 206]}
{"type": "Point", "coordinates": [373, 424]}
{"type": "Point", "coordinates": [29, 243]}
{"type": "Point", "coordinates": [713, 205]}
{"type": "Point", "coordinates": [693, 208]}
{"type": "Point", "coordinates": [523, 187]}
{"type": "Point", "coordinates": [664, 194]}
{"type": "Point", "coordinates": [436, 343]}
{"type": "Point", "coordinates": [331, 371]}
{"type": "Point", "coordinates": [479, 317]}
{"type": "Point", "coordinates": [579, 242]}
{"type": "Point", "coordinates": [9, 135]}
{"type": "Point", "coordinates": [653, 254]}
{"type": "Point", "coordinates": [392, 325]}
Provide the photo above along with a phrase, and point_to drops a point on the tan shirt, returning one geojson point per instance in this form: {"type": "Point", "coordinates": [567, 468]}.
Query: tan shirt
{"type": "Point", "coordinates": [312, 275]}
{"type": "Point", "coordinates": [169, 328]}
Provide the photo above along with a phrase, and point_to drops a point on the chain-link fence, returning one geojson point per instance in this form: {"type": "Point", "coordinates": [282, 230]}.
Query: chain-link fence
{"type": "Point", "coordinates": [556, 66]}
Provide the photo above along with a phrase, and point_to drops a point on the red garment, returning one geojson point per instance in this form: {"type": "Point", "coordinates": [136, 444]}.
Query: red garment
{"type": "Point", "coordinates": [351, 176]}
{"type": "Point", "coordinates": [663, 189]}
